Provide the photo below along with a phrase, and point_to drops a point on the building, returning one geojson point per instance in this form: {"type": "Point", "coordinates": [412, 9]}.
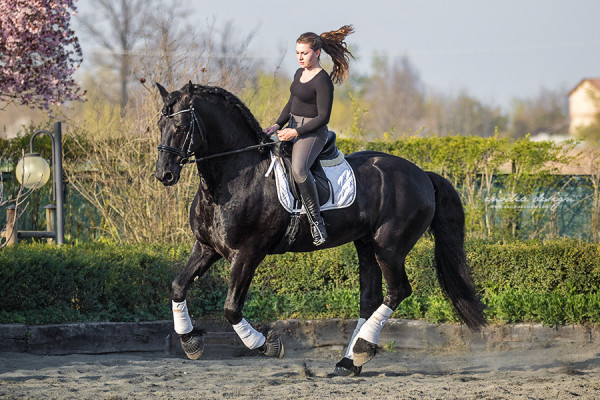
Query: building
{"type": "Point", "coordinates": [584, 104]}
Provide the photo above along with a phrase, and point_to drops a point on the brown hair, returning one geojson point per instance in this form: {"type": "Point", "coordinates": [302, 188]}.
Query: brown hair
{"type": "Point", "coordinates": [332, 43]}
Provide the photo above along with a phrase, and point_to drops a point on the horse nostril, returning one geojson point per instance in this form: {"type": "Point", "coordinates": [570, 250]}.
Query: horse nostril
{"type": "Point", "coordinates": [168, 177]}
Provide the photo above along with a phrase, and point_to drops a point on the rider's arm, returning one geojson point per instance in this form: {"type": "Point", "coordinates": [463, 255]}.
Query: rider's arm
{"type": "Point", "coordinates": [285, 113]}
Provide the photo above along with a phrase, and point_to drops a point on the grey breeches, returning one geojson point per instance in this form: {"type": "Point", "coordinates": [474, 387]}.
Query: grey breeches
{"type": "Point", "coordinates": [306, 148]}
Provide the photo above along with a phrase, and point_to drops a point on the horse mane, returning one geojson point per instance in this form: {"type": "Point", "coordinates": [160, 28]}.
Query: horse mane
{"type": "Point", "coordinates": [232, 102]}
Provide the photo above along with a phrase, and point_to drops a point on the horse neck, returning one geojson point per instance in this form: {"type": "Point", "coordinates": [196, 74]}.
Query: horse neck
{"type": "Point", "coordinates": [225, 133]}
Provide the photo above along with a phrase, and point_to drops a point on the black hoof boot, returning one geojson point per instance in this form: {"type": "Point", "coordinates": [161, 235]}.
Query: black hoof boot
{"type": "Point", "coordinates": [273, 346]}
{"type": "Point", "coordinates": [193, 344]}
{"type": "Point", "coordinates": [346, 368]}
{"type": "Point", "coordinates": [363, 352]}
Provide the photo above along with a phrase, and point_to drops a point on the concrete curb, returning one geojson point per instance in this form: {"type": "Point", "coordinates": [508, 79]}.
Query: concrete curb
{"type": "Point", "coordinates": [114, 337]}
{"type": "Point", "coordinates": [419, 335]}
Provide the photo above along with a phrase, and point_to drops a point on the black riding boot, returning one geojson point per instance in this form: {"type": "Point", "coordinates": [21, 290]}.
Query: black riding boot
{"type": "Point", "coordinates": [310, 199]}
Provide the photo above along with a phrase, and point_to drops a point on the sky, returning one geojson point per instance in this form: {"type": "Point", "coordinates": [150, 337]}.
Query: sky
{"type": "Point", "coordinates": [494, 51]}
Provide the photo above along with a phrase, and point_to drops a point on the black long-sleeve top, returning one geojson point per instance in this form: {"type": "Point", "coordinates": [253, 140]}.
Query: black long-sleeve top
{"type": "Point", "coordinates": [312, 99]}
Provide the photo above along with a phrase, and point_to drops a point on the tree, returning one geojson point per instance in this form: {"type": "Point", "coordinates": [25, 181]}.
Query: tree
{"type": "Point", "coordinates": [169, 41]}
{"type": "Point", "coordinates": [125, 31]}
{"type": "Point", "coordinates": [464, 115]}
{"type": "Point", "coordinates": [232, 63]}
{"type": "Point", "coordinates": [38, 52]}
{"type": "Point", "coordinates": [178, 49]}
{"type": "Point", "coordinates": [395, 97]}
{"type": "Point", "coordinates": [546, 113]}
{"type": "Point", "coordinates": [155, 40]}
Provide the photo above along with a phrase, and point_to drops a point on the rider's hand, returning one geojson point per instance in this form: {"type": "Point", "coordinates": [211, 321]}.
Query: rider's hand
{"type": "Point", "coordinates": [270, 130]}
{"type": "Point", "coordinates": [287, 134]}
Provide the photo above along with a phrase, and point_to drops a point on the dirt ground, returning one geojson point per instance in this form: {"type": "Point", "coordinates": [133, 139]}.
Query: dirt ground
{"type": "Point", "coordinates": [553, 373]}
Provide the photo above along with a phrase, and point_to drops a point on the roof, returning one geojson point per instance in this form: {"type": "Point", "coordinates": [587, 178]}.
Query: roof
{"type": "Point", "coordinates": [594, 81]}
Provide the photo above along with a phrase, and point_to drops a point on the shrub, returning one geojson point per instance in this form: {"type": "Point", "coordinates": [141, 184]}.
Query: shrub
{"type": "Point", "coordinates": [554, 282]}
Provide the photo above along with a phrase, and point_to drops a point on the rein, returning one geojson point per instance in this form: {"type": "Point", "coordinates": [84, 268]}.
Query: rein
{"type": "Point", "coordinates": [186, 154]}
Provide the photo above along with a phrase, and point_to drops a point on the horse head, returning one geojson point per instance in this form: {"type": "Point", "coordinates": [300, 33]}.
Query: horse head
{"type": "Point", "coordinates": [182, 133]}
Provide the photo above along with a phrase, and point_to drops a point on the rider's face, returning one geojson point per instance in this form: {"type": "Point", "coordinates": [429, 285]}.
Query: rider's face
{"type": "Point", "coordinates": [307, 57]}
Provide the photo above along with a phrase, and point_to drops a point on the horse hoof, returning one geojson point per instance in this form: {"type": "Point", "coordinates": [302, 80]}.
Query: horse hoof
{"type": "Point", "coordinates": [193, 344]}
{"type": "Point", "coordinates": [346, 368]}
{"type": "Point", "coordinates": [363, 352]}
{"type": "Point", "coordinates": [273, 346]}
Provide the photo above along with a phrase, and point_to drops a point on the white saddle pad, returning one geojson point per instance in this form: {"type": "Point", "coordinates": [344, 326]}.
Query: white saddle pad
{"type": "Point", "coordinates": [341, 177]}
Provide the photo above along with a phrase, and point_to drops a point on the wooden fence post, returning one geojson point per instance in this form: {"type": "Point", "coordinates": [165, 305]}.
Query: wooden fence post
{"type": "Point", "coordinates": [50, 226]}
{"type": "Point", "coordinates": [11, 225]}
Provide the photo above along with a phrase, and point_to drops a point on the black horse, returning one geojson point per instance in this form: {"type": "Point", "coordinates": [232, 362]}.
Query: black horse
{"type": "Point", "coordinates": [236, 215]}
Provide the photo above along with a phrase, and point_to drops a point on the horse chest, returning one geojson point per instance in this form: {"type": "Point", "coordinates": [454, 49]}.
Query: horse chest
{"type": "Point", "coordinates": [223, 225]}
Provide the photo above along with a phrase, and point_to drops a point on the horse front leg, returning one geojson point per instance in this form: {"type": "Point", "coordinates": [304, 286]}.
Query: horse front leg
{"type": "Point", "coordinates": [201, 258]}
{"type": "Point", "coordinates": [242, 272]}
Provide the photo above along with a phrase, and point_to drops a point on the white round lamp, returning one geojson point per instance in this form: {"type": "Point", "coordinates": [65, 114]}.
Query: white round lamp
{"type": "Point", "coordinates": [32, 171]}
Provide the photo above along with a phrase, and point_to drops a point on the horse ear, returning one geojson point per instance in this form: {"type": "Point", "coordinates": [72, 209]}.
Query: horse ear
{"type": "Point", "coordinates": [163, 92]}
{"type": "Point", "coordinates": [189, 87]}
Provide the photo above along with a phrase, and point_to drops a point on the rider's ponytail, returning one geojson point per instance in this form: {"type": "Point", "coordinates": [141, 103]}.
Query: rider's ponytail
{"type": "Point", "coordinates": [332, 43]}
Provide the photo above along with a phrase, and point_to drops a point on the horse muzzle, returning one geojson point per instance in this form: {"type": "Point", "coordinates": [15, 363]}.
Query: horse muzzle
{"type": "Point", "coordinates": [168, 178]}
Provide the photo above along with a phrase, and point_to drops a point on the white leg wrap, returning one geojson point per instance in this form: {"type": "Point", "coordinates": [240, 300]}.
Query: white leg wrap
{"type": "Point", "coordinates": [181, 318]}
{"type": "Point", "coordinates": [372, 328]}
{"type": "Point", "coordinates": [250, 336]}
{"type": "Point", "coordinates": [349, 353]}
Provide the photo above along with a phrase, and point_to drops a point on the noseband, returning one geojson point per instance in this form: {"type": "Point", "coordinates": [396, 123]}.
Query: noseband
{"type": "Point", "coordinates": [186, 154]}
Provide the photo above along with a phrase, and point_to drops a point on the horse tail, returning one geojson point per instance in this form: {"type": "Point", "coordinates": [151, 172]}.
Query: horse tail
{"type": "Point", "coordinates": [448, 228]}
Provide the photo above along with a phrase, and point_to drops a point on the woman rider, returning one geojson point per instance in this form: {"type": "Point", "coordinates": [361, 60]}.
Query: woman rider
{"type": "Point", "coordinates": [308, 110]}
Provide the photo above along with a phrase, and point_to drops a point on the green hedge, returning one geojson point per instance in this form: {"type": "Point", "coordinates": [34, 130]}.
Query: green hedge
{"type": "Point", "coordinates": [554, 282]}
{"type": "Point", "coordinates": [47, 283]}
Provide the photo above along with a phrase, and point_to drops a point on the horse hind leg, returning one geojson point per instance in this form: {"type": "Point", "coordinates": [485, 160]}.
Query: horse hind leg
{"type": "Point", "coordinates": [371, 296]}
{"type": "Point", "coordinates": [269, 345]}
{"type": "Point", "coordinates": [241, 273]}
{"type": "Point", "coordinates": [398, 288]}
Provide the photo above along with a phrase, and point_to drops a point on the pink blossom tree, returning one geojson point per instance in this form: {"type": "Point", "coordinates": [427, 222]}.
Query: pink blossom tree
{"type": "Point", "coordinates": [39, 52]}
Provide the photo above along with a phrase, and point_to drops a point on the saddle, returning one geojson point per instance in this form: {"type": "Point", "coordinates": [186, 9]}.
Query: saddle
{"type": "Point", "coordinates": [335, 181]}
{"type": "Point", "coordinates": [324, 188]}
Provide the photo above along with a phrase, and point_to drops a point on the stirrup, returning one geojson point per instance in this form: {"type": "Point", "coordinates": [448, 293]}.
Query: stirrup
{"type": "Point", "coordinates": [319, 234]}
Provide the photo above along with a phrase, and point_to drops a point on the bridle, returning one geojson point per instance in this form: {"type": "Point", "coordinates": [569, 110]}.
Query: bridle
{"type": "Point", "coordinates": [186, 154]}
